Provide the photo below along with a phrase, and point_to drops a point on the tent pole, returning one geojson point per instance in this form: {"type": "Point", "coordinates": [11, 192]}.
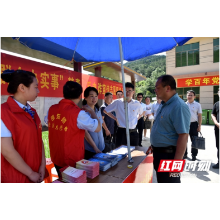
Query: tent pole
{"type": "Point", "coordinates": [125, 102]}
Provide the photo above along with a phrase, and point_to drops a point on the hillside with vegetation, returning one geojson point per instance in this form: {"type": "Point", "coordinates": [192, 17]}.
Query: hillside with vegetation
{"type": "Point", "coordinates": [152, 67]}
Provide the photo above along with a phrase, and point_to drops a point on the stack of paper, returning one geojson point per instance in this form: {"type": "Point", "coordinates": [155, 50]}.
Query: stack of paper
{"type": "Point", "coordinates": [103, 165]}
{"type": "Point", "coordinates": [121, 152]}
{"type": "Point", "coordinates": [119, 156]}
{"type": "Point", "coordinates": [73, 175]}
{"type": "Point", "coordinates": [111, 158]}
{"type": "Point", "coordinates": [91, 168]}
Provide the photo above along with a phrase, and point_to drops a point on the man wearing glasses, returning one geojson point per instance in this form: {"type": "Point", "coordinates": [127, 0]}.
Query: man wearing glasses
{"type": "Point", "coordinates": [135, 111]}
{"type": "Point", "coordinates": [195, 120]}
{"type": "Point", "coordinates": [215, 118]}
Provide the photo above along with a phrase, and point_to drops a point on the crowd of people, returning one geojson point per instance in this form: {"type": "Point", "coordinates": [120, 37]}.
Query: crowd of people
{"type": "Point", "coordinates": [79, 133]}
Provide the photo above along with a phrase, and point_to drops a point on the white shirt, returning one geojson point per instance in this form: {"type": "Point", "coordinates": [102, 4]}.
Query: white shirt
{"type": "Point", "coordinates": [143, 106]}
{"type": "Point", "coordinates": [84, 121]}
{"type": "Point", "coordinates": [134, 109]}
{"type": "Point", "coordinates": [154, 108]}
{"type": "Point", "coordinates": [4, 130]}
{"type": "Point", "coordinates": [195, 109]}
{"type": "Point", "coordinates": [148, 111]}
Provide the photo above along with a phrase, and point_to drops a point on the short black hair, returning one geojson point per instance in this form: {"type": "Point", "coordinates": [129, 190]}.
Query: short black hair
{"type": "Point", "coordinates": [129, 85]}
{"type": "Point", "coordinates": [140, 94]}
{"type": "Point", "coordinates": [168, 80]}
{"type": "Point", "coordinates": [191, 92]}
{"type": "Point", "coordinates": [119, 91]}
{"type": "Point", "coordinates": [17, 77]}
{"type": "Point", "coordinates": [108, 93]}
{"type": "Point", "coordinates": [72, 90]}
{"type": "Point", "coordinates": [147, 97]}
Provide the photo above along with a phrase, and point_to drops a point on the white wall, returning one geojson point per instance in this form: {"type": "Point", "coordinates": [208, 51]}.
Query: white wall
{"type": "Point", "coordinates": [205, 59]}
{"type": "Point", "coordinates": [206, 97]}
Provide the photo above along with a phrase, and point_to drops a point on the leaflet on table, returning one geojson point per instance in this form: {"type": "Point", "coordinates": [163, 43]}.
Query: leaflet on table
{"type": "Point", "coordinates": [71, 171]}
{"type": "Point", "coordinates": [119, 156]}
{"type": "Point", "coordinates": [101, 162]}
{"type": "Point", "coordinates": [105, 156]}
{"type": "Point", "coordinates": [122, 150]}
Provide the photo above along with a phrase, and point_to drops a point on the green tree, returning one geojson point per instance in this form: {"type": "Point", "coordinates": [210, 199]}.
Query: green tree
{"type": "Point", "coordinates": [152, 67]}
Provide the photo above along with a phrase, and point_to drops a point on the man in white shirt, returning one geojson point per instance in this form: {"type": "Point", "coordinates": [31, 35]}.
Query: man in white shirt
{"type": "Point", "coordinates": [155, 107]}
{"type": "Point", "coordinates": [135, 111]}
{"type": "Point", "coordinates": [140, 125]}
{"type": "Point", "coordinates": [119, 94]}
{"type": "Point", "coordinates": [195, 121]}
{"type": "Point", "coordinates": [149, 118]}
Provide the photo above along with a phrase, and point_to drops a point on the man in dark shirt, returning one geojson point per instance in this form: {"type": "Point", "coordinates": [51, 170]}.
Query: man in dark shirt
{"type": "Point", "coordinates": [108, 123]}
{"type": "Point", "coordinates": [215, 118]}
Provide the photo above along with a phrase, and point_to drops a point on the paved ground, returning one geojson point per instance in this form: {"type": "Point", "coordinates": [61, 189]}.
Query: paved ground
{"type": "Point", "coordinates": [212, 176]}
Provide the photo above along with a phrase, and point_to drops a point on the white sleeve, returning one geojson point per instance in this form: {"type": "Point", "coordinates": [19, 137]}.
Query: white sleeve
{"type": "Point", "coordinates": [200, 109]}
{"type": "Point", "coordinates": [112, 107]}
{"type": "Point", "coordinates": [4, 130]}
{"type": "Point", "coordinates": [85, 122]}
{"type": "Point", "coordinates": [152, 108]}
{"type": "Point", "coordinates": [140, 109]}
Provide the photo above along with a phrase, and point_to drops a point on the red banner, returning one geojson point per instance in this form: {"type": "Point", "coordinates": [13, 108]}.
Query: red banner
{"type": "Point", "coordinates": [51, 79]}
{"type": "Point", "coordinates": [198, 81]}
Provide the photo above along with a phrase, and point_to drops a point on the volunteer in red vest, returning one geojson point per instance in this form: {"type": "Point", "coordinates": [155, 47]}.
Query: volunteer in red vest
{"type": "Point", "coordinates": [67, 124]}
{"type": "Point", "coordinates": [22, 149]}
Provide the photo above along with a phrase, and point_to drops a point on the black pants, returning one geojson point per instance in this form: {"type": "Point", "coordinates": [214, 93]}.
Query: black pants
{"type": "Point", "coordinates": [58, 172]}
{"type": "Point", "coordinates": [217, 141]}
{"type": "Point", "coordinates": [163, 177]}
{"type": "Point", "coordinates": [140, 127]}
{"type": "Point", "coordinates": [193, 132]}
{"type": "Point", "coordinates": [121, 138]}
{"type": "Point", "coordinates": [88, 154]}
{"type": "Point", "coordinates": [115, 131]}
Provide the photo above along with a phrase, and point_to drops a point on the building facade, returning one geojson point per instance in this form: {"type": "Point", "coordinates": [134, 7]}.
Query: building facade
{"type": "Point", "coordinates": [195, 66]}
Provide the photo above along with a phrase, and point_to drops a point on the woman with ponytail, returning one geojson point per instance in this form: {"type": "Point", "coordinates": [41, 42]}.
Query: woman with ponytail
{"type": "Point", "coordinates": [22, 149]}
{"type": "Point", "coordinates": [98, 144]}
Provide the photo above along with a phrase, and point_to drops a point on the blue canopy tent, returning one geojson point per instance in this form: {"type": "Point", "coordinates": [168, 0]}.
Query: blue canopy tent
{"type": "Point", "coordinates": [104, 49]}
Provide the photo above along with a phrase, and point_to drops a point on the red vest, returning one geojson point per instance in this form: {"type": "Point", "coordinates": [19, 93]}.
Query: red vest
{"type": "Point", "coordinates": [66, 140]}
{"type": "Point", "coordinates": [27, 139]}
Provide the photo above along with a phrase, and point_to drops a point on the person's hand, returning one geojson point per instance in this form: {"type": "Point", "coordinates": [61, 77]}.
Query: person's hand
{"type": "Point", "coordinates": [97, 150]}
{"type": "Point", "coordinates": [117, 123]}
{"type": "Point", "coordinates": [41, 171]}
{"type": "Point", "coordinates": [149, 150]}
{"type": "Point", "coordinates": [87, 109]}
{"type": "Point", "coordinates": [34, 177]}
{"type": "Point", "coordinates": [199, 128]}
{"type": "Point", "coordinates": [217, 124]}
{"type": "Point", "coordinates": [107, 132]}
